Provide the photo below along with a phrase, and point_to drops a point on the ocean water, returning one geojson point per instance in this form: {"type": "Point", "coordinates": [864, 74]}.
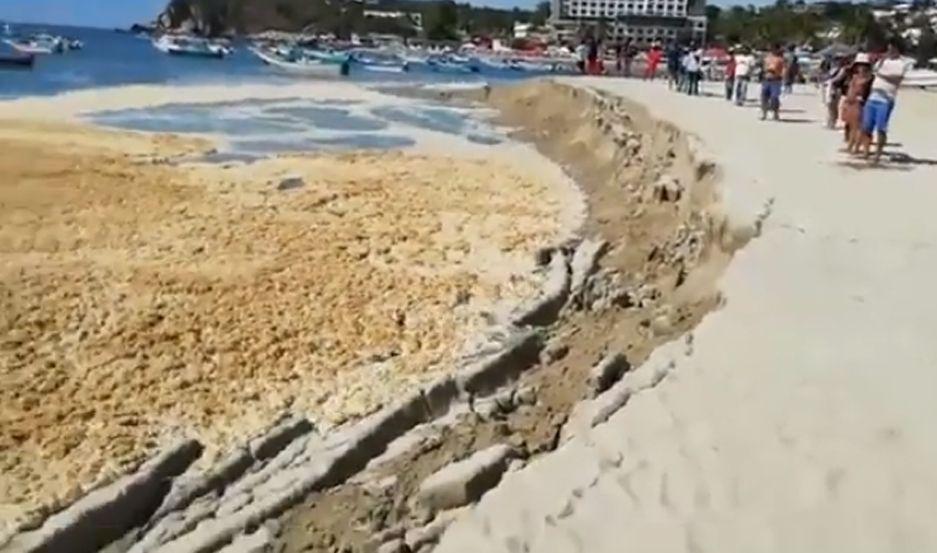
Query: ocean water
{"type": "Point", "coordinates": [110, 58]}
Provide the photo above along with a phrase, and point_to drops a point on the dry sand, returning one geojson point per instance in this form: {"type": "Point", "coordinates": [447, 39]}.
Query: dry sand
{"type": "Point", "coordinates": [140, 299]}
{"type": "Point", "coordinates": [801, 416]}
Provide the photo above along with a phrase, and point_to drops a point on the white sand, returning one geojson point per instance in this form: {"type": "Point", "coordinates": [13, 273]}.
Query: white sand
{"type": "Point", "coordinates": [802, 418]}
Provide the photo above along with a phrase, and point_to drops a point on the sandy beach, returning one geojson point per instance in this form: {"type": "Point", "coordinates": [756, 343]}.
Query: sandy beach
{"type": "Point", "coordinates": [799, 416]}
{"type": "Point", "coordinates": [142, 300]}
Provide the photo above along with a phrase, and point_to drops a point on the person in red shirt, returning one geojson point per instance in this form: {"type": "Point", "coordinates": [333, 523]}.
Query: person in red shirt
{"type": "Point", "coordinates": [654, 55]}
{"type": "Point", "coordinates": [730, 75]}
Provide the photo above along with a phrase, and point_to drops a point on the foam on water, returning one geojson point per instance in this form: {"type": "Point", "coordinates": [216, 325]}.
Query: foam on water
{"type": "Point", "coordinates": [255, 128]}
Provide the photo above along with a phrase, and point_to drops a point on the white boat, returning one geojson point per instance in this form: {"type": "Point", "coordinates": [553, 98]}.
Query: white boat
{"type": "Point", "coordinates": [301, 66]}
{"type": "Point", "coordinates": [379, 62]}
{"type": "Point", "coordinates": [190, 47]}
{"type": "Point", "coordinates": [447, 66]}
{"type": "Point", "coordinates": [39, 44]}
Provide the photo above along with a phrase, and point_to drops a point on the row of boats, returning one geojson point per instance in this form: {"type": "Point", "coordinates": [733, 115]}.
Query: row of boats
{"type": "Point", "coordinates": [26, 48]}
{"type": "Point", "coordinates": [332, 62]}
{"type": "Point", "coordinates": [43, 43]}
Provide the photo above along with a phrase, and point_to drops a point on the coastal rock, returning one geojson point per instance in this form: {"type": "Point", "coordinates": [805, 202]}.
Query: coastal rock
{"type": "Point", "coordinates": [668, 189]}
{"type": "Point", "coordinates": [291, 183]}
{"type": "Point", "coordinates": [465, 481]}
{"type": "Point", "coordinates": [607, 372]}
{"type": "Point", "coordinates": [393, 546]}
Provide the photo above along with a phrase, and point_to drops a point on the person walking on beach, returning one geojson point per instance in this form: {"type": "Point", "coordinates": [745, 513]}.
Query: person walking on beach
{"type": "Point", "coordinates": [772, 74]}
{"type": "Point", "coordinates": [857, 92]}
{"type": "Point", "coordinates": [744, 65]}
{"type": "Point", "coordinates": [888, 75]}
{"type": "Point", "coordinates": [730, 75]}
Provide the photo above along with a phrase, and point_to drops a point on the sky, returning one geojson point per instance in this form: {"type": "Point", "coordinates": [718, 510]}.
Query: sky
{"type": "Point", "coordinates": [91, 13]}
{"type": "Point", "coordinates": [123, 13]}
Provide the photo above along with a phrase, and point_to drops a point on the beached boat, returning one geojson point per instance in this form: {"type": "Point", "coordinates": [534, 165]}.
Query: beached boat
{"type": "Point", "coordinates": [17, 61]}
{"type": "Point", "coordinates": [190, 47]}
{"type": "Point", "coordinates": [301, 66]}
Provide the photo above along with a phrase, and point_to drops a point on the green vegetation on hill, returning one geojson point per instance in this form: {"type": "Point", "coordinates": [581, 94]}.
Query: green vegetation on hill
{"type": "Point", "coordinates": [814, 24]}
{"type": "Point", "coordinates": [442, 19]}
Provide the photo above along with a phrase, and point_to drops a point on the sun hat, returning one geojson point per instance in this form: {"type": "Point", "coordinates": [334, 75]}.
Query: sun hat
{"type": "Point", "coordinates": [862, 57]}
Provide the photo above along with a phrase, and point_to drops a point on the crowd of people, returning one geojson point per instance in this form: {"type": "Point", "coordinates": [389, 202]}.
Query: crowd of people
{"type": "Point", "coordinates": [859, 90]}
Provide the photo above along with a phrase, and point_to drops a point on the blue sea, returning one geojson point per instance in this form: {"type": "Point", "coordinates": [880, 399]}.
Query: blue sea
{"type": "Point", "coordinates": [111, 58]}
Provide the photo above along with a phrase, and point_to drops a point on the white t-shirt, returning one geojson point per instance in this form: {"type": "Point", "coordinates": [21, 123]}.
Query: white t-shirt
{"type": "Point", "coordinates": [743, 65]}
{"type": "Point", "coordinates": [691, 63]}
{"type": "Point", "coordinates": [889, 68]}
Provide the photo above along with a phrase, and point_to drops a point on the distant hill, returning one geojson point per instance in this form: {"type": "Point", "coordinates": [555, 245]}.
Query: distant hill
{"type": "Point", "coordinates": [440, 19]}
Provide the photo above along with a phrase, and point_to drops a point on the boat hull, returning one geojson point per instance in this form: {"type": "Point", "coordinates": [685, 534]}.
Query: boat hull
{"type": "Point", "coordinates": [29, 48]}
{"type": "Point", "coordinates": [195, 54]}
{"type": "Point", "coordinates": [302, 69]}
{"type": "Point", "coordinates": [17, 62]}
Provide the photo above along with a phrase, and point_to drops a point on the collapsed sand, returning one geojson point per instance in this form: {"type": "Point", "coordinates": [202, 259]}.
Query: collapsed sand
{"type": "Point", "coordinates": [140, 299]}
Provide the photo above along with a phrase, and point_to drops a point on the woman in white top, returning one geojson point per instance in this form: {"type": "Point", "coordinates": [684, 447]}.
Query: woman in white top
{"type": "Point", "coordinates": [744, 63]}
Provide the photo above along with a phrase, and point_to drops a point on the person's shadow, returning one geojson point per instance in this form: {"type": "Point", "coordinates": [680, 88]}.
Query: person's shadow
{"type": "Point", "coordinates": [904, 158]}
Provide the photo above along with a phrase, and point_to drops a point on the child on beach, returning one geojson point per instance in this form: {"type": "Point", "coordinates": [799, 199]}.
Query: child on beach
{"type": "Point", "coordinates": [859, 88]}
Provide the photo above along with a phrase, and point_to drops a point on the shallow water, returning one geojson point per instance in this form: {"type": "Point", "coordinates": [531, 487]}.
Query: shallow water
{"type": "Point", "coordinates": [253, 129]}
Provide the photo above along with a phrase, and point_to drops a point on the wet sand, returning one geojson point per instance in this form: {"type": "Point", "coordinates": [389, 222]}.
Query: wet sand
{"type": "Point", "coordinates": [141, 301]}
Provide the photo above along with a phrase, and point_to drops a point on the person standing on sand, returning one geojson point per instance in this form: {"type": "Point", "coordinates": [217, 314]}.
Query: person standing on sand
{"type": "Point", "coordinates": [592, 65]}
{"type": "Point", "coordinates": [876, 114]}
{"type": "Point", "coordinates": [582, 54]}
{"type": "Point", "coordinates": [673, 66]}
{"type": "Point", "coordinates": [730, 75]}
{"type": "Point", "coordinates": [694, 72]}
{"type": "Point", "coordinates": [859, 88]}
{"type": "Point", "coordinates": [629, 56]}
{"type": "Point", "coordinates": [771, 83]}
{"type": "Point", "coordinates": [791, 70]}
{"type": "Point", "coordinates": [836, 84]}
{"type": "Point", "coordinates": [654, 55]}
{"type": "Point", "coordinates": [744, 65]}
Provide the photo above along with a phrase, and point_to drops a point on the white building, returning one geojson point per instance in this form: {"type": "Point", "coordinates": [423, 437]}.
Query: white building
{"type": "Point", "coordinates": [414, 17]}
{"type": "Point", "coordinates": [644, 21]}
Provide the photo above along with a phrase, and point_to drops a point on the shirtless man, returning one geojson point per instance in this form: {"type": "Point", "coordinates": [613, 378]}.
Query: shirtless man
{"type": "Point", "coordinates": [771, 83]}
